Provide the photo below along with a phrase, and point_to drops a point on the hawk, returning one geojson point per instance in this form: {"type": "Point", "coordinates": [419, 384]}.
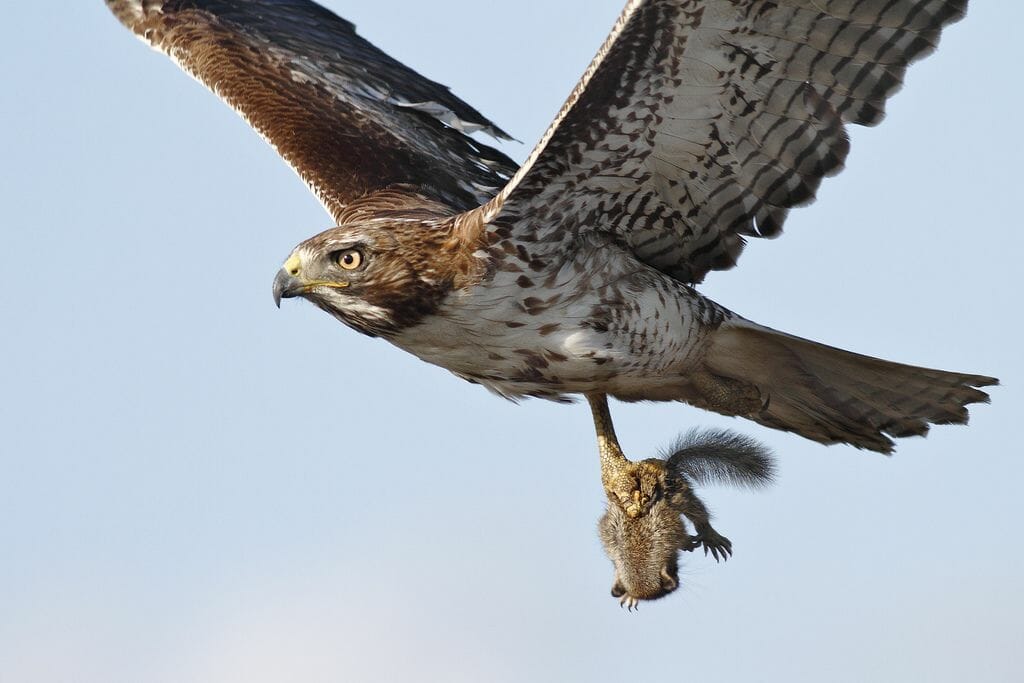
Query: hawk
{"type": "Point", "coordinates": [698, 125]}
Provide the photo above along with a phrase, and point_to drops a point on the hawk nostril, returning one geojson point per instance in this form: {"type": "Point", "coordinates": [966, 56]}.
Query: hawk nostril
{"type": "Point", "coordinates": [293, 265]}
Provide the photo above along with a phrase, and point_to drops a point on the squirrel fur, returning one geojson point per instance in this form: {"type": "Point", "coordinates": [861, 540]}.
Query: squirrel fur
{"type": "Point", "coordinates": [644, 548]}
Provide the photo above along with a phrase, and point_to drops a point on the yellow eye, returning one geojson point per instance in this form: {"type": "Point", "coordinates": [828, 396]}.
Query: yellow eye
{"type": "Point", "coordinates": [350, 259]}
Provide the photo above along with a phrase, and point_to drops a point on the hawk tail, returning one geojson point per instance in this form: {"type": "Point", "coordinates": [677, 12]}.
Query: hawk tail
{"type": "Point", "coordinates": [827, 394]}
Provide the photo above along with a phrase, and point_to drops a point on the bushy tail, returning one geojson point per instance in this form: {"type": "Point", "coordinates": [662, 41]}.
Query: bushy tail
{"type": "Point", "coordinates": [827, 394]}
{"type": "Point", "coordinates": [720, 456]}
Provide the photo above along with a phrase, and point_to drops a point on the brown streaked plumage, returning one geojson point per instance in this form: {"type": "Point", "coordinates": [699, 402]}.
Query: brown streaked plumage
{"type": "Point", "coordinates": [700, 123]}
{"type": "Point", "coordinates": [415, 254]}
{"type": "Point", "coordinates": [349, 119]}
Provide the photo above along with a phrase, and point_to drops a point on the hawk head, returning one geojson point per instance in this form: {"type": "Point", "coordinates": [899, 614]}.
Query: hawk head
{"type": "Point", "coordinates": [377, 276]}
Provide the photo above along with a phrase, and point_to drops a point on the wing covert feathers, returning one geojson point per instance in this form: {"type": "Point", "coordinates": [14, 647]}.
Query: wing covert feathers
{"type": "Point", "coordinates": [348, 118]}
{"type": "Point", "coordinates": [702, 122]}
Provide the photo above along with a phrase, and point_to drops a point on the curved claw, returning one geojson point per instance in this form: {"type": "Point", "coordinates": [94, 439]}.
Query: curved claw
{"type": "Point", "coordinates": [717, 545]}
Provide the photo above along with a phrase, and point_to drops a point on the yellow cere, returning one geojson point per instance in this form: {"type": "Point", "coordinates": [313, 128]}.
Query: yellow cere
{"type": "Point", "coordinates": [292, 264]}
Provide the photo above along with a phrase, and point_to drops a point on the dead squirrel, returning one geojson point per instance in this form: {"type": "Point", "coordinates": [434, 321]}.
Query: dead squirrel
{"type": "Point", "coordinates": [645, 547]}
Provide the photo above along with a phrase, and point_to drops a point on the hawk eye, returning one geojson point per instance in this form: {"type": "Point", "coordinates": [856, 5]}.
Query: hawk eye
{"type": "Point", "coordinates": [350, 259]}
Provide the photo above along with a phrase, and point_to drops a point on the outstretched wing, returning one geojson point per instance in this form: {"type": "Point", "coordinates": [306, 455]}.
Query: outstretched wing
{"type": "Point", "coordinates": [349, 119]}
{"type": "Point", "coordinates": [703, 121]}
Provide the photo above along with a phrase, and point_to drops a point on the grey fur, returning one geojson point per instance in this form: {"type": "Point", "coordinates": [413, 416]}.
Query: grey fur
{"type": "Point", "coordinates": [709, 456]}
{"type": "Point", "coordinates": [644, 548]}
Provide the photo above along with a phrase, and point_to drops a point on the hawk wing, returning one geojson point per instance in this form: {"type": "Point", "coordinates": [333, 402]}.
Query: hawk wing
{"type": "Point", "coordinates": [348, 118]}
{"type": "Point", "coordinates": [701, 122]}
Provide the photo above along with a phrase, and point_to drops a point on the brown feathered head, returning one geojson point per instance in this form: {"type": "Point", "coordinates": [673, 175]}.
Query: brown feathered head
{"type": "Point", "coordinates": [377, 276]}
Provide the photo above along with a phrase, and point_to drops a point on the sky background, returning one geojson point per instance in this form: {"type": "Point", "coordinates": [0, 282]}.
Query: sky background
{"type": "Point", "coordinates": [197, 487]}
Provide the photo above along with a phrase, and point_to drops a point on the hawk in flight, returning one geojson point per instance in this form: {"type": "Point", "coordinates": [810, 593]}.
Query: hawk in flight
{"type": "Point", "coordinates": [698, 125]}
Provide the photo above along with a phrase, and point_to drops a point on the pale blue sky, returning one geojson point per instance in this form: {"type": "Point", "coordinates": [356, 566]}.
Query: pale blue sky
{"type": "Point", "coordinates": [195, 486]}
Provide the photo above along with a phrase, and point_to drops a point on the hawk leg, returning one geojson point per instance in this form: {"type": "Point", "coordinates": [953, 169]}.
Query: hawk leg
{"type": "Point", "coordinates": [633, 486]}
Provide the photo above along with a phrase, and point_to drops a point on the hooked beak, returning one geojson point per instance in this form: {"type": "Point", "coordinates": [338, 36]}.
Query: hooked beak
{"type": "Point", "coordinates": [291, 282]}
{"type": "Point", "coordinates": [286, 286]}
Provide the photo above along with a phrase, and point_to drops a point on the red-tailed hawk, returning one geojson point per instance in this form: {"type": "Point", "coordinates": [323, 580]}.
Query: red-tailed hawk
{"type": "Point", "coordinates": [699, 124]}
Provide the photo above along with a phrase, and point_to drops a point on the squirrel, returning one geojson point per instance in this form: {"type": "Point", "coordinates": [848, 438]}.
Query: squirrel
{"type": "Point", "coordinates": [645, 547]}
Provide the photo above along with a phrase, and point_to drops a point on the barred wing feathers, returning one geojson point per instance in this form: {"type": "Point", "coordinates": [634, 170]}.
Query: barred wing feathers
{"type": "Point", "coordinates": [702, 122]}
{"type": "Point", "coordinates": [347, 117]}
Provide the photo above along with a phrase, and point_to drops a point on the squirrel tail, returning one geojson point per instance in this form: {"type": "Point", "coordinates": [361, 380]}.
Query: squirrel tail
{"type": "Point", "coordinates": [722, 456]}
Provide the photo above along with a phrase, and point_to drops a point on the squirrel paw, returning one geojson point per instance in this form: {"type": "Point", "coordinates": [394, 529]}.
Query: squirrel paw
{"type": "Point", "coordinates": [630, 603]}
{"type": "Point", "coordinates": [719, 546]}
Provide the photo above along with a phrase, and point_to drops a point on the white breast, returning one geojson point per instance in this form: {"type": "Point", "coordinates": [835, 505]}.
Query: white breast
{"type": "Point", "coordinates": [561, 337]}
